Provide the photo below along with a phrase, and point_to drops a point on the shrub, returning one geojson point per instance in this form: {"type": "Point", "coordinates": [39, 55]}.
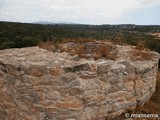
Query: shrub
{"type": "Point", "coordinates": [96, 50]}
{"type": "Point", "coordinates": [47, 45]}
{"type": "Point", "coordinates": [105, 50]}
{"type": "Point", "coordinates": [84, 48]}
{"type": "Point", "coordinates": [140, 45]}
{"type": "Point", "coordinates": [141, 55]}
{"type": "Point", "coordinates": [77, 40]}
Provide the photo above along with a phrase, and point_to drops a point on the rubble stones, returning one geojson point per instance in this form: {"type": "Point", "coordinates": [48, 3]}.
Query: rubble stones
{"type": "Point", "coordinates": [37, 84]}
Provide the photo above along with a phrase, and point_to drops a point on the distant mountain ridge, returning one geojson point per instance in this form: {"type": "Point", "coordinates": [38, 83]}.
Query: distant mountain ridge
{"type": "Point", "coordinates": [53, 22]}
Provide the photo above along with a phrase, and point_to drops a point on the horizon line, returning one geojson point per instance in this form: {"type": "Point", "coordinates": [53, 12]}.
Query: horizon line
{"type": "Point", "coordinates": [73, 23]}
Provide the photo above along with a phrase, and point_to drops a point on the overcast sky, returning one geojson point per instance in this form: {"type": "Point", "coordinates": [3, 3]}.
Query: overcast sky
{"type": "Point", "coordinates": [82, 11]}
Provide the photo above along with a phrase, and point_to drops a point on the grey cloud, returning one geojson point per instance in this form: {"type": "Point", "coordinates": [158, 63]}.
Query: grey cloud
{"type": "Point", "coordinates": [148, 2]}
{"type": "Point", "coordinates": [83, 11]}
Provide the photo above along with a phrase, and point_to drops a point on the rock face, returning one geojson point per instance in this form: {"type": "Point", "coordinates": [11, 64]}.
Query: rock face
{"type": "Point", "coordinates": [37, 84]}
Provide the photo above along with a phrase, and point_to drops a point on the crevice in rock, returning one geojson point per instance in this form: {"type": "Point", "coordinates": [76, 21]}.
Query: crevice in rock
{"type": "Point", "coordinates": [159, 63]}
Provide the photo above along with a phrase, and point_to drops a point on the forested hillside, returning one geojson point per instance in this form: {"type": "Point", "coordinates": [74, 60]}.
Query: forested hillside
{"type": "Point", "coordinates": [16, 35]}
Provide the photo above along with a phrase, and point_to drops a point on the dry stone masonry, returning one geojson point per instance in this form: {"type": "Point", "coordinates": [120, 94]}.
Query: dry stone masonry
{"type": "Point", "coordinates": [37, 84]}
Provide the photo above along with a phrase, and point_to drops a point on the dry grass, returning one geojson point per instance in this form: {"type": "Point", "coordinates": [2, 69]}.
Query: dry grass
{"type": "Point", "coordinates": [77, 40]}
{"type": "Point", "coordinates": [96, 51]}
{"type": "Point", "coordinates": [84, 48]}
{"type": "Point", "coordinates": [47, 45]}
{"type": "Point", "coordinates": [140, 45]}
{"type": "Point", "coordinates": [140, 55]}
{"type": "Point", "coordinates": [108, 51]}
{"type": "Point", "coordinates": [80, 50]}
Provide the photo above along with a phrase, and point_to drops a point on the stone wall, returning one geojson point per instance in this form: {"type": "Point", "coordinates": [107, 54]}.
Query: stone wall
{"type": "Point", "coordinates": [37, 84]}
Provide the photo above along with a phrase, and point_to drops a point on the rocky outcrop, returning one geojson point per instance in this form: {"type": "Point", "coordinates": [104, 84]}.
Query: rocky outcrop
{"type": "Point", "coordinates": [37, 84]}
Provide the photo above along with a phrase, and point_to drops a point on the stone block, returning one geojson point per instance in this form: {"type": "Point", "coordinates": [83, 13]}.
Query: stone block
{"type": "Point", "coordinates": [115, 78]}
{"type": "Point", "coordinates": [129, 68]}
{"type": "Point", "coordinates": [87, 75]}
{"type": "Point", "coordinates": [117, 68]}
{"type": "Point", "coordinates": [55, 71]}
{"type": "Point", "coordinates": [90, 85]}
{"type": "Point", "coordinates": [74, 104]}
{"type": "Point", "coordinates": [75, 83]}
{"type": "Point", "coordinates": [103, 68]}
{"type": "Point", "coordinates": [38, 71]}
{"type": "Point", "coordinates": [141, 68]}
{"type": "Point", "coordinates": [89, 113]}
{"type": "Point", "coordinates": [52, 95]}
{"type": "Point", "coordinates": [75, 91]}
{"type": "Point", "coordinates": [79, 67]}
{"type": "Point", "coordinates": [97, 97]}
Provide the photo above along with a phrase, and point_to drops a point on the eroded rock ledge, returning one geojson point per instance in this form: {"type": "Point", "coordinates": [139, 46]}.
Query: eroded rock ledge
{"type": "Point", "coordinates": [37, 84]}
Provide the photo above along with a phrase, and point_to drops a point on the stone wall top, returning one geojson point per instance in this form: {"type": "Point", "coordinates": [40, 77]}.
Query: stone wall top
{"type": "Point", "coordinates": [46, 58]}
